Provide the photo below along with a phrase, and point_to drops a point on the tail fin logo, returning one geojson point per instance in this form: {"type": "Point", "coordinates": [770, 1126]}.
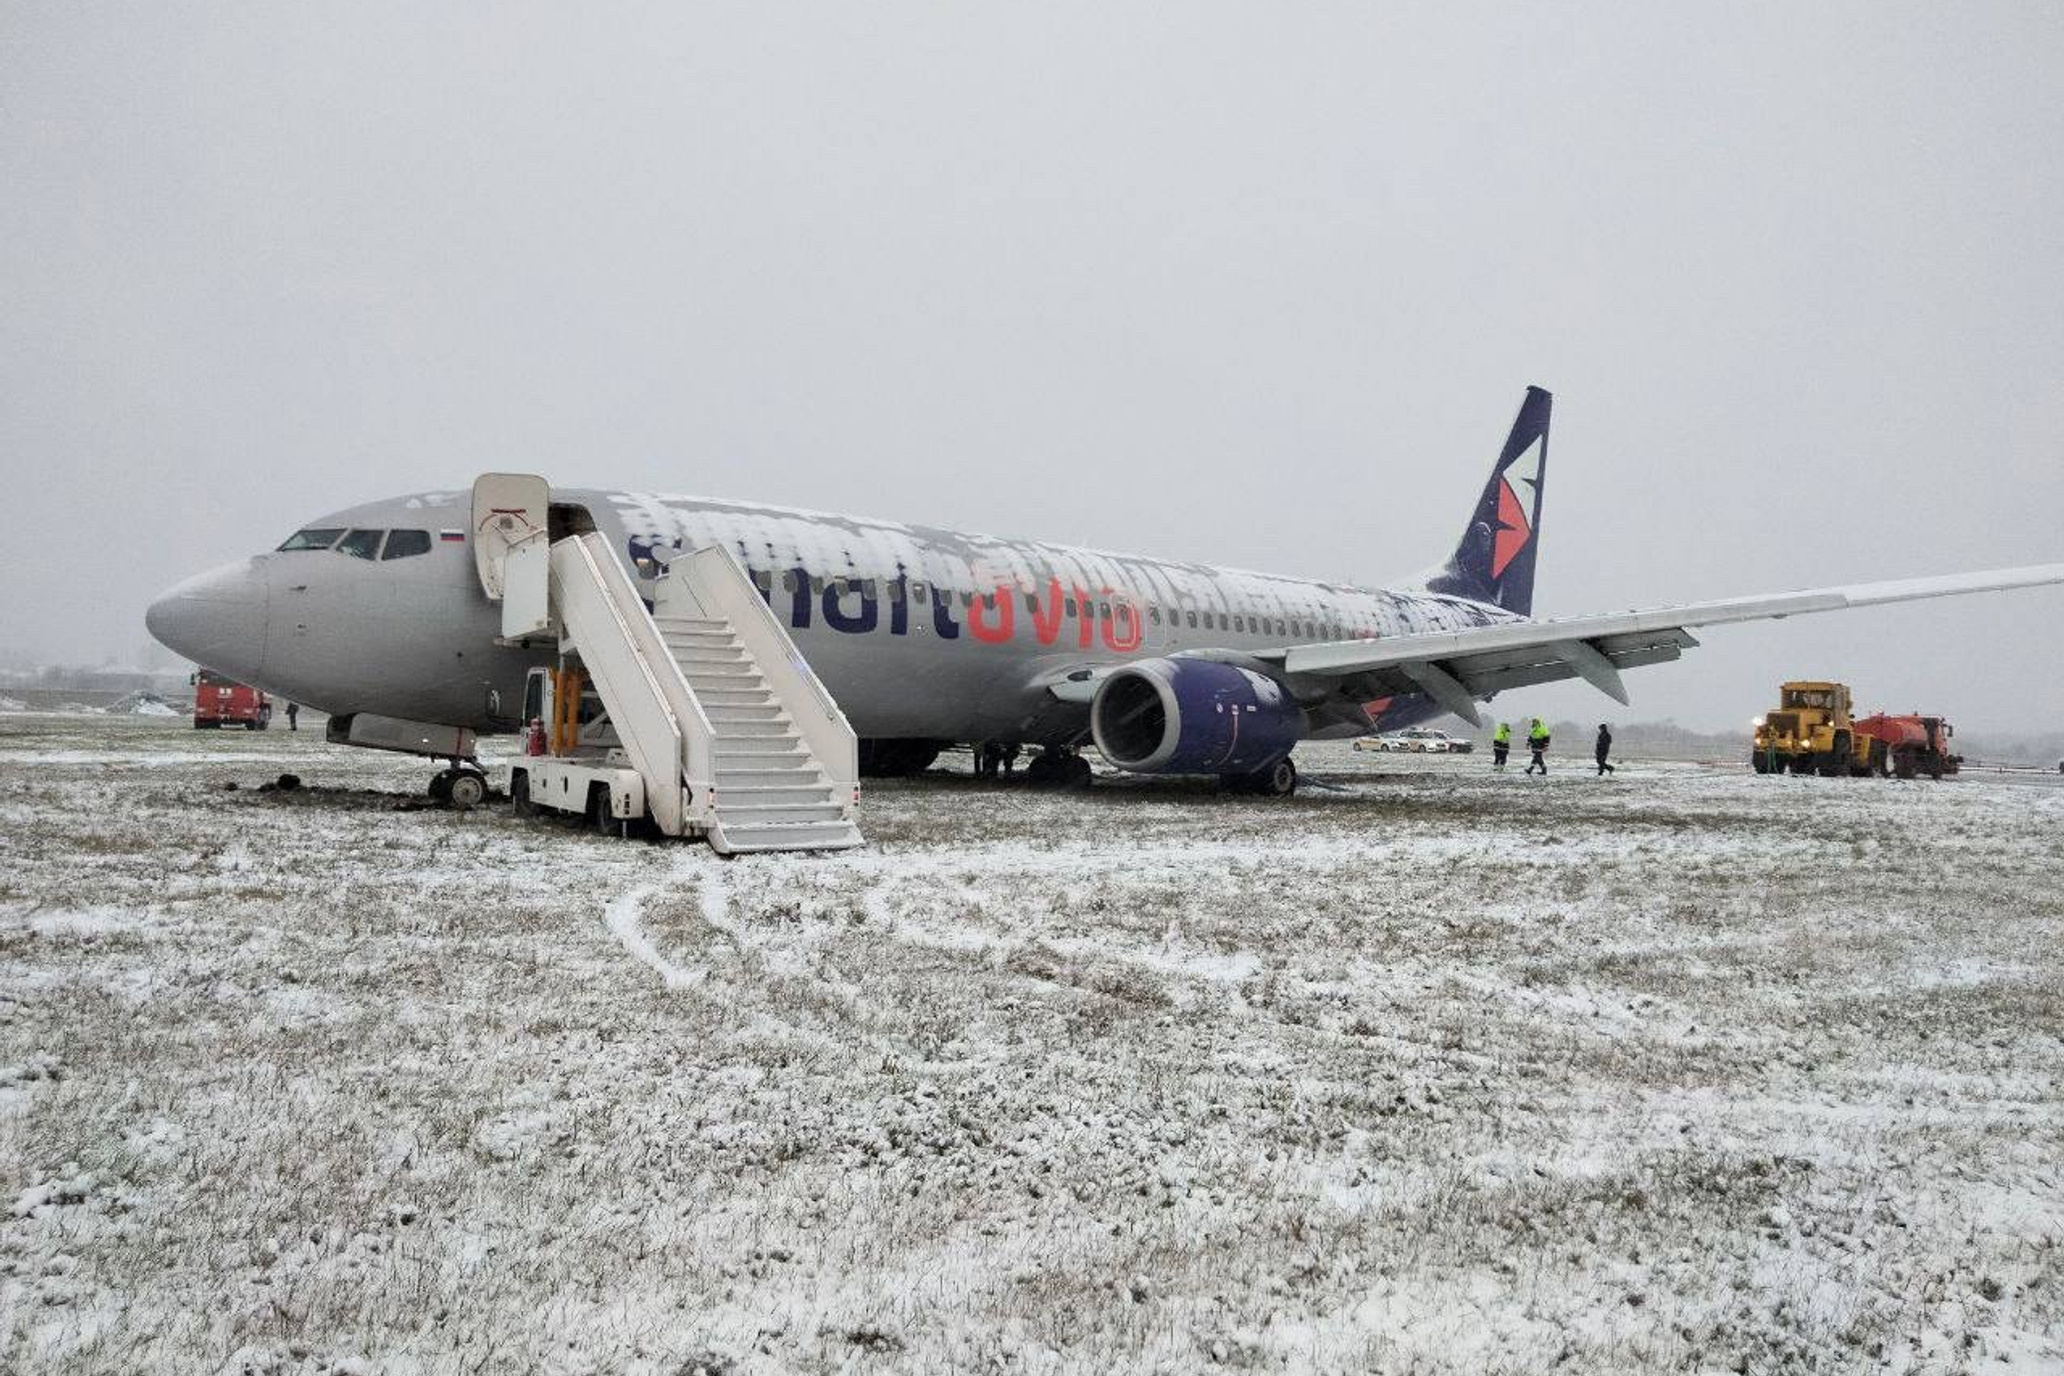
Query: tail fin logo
{"type": "Point", "coordinates": [1514, 528]}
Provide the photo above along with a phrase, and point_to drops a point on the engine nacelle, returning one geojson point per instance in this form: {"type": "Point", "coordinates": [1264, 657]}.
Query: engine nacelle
{"type": "Point", "coordinates": [1193, 716]}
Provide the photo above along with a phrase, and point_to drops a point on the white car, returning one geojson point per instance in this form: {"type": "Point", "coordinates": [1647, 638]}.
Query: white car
{"type": "Point", "coordinates": [1423, 740]}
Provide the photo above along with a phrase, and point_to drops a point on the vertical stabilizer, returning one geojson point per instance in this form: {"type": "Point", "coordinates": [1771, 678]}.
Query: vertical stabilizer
{"type": "Point", "coordinates": [1494, 562]}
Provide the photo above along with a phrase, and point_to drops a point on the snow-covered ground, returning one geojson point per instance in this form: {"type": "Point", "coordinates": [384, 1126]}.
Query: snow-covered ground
{"type": "Point", "coordinates": [1427, 1070]}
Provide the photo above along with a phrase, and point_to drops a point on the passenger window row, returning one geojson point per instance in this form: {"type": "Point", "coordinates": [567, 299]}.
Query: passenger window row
{"type": "Point", "coordinates": [361, 544]}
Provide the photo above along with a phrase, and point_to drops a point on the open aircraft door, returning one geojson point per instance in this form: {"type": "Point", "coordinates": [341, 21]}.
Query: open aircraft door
{"type": "Point", "coordinates": [512, 548]}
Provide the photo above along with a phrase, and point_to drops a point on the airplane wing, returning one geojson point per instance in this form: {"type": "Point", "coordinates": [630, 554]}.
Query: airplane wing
{"type": "Point", "coordinates": [1455, 668]}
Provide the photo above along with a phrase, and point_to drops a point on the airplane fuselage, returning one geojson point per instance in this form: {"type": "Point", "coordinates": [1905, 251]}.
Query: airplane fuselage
{"type": "Point", "coordinates": [919, 632]}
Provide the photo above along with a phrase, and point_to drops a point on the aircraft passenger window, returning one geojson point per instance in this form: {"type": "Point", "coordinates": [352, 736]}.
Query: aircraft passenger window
{"type": "Point", "coordinates": [401, 544]}
{"type": "Point", "coordinates": [1193, 620]}
{"type": "Point", "coordinates": [1071, 606]}
{"type": "Point", "coordinates": [361, 544]}
{"type": "Point", "coordinates": [1032, 603]}
{"type": "Point", "coordinates": [1154, 615]}
{"type": "Point", "coordinates": [321, 538]}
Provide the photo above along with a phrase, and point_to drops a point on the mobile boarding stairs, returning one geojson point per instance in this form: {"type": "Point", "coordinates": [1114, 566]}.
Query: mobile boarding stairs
{"type": "Point", "coordinates": [698, 713]}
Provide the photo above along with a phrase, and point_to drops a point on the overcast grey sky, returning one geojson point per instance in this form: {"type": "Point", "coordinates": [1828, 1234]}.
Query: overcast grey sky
{"type": "Point", "coordinates": [1255, 284]}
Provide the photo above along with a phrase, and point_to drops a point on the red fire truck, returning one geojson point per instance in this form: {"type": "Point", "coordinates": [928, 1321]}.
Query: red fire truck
{"type": "Point", "coordinates": [220, 702]}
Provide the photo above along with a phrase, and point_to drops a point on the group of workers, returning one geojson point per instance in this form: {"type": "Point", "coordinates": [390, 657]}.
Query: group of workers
{"type": "Point", "coordinates": [1537, 743]}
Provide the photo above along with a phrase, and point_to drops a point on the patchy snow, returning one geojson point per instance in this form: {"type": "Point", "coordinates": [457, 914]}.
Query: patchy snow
{"type": "Point", "coordinates": [1426, 1070]}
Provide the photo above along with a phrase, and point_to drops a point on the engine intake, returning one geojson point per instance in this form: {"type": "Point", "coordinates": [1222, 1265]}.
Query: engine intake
{"type": "Point", "coordinates": [1193, 716]}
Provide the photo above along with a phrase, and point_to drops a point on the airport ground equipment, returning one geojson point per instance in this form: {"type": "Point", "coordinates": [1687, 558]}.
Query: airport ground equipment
{"type": "Point", "coordinates": [220, 702]}
{"type": "Point", "coordinates": [1912, 744]}
{"type": "Point", "coordinates": [1812, 732]}
{"type": "Point", "coordinates": [697, 715]}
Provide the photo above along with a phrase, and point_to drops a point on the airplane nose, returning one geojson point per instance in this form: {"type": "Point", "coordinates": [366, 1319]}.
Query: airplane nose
{"type": "Point", "coordinates": [216, 619]}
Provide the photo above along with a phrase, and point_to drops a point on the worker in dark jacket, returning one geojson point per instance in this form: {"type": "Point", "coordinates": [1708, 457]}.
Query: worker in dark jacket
{"type": "Point", "coordinates": [1537, 741]}
{"type": "Point", "coordinates": [1603, 748]}
{"type": "Point", "coordinates": [1501, 744]}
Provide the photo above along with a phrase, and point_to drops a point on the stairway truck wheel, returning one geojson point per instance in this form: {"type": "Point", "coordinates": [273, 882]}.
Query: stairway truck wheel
{"type": "Point", "coordinates": [467, 790]}
{"type": "Point", "coordinates": [519, 793]}
{"type": "Point", "coordinates": [599, 816]}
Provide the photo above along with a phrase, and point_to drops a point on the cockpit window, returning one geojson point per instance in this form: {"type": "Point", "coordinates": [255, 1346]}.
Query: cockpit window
{"type": "Point", "coordinates": [403, 543]}
{"type": "Point", "coordinates": [321, 538]}
{"type": "Point", "coordinates": [361, 544]}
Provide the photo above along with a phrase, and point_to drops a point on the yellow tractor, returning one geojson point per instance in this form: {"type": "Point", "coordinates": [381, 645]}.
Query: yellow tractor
{"type": "Point", "coordinates": [1811, 732]}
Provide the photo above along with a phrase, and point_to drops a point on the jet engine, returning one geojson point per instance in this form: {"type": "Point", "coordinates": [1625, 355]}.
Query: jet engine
{"type": "Point", "coordinates": [1193, 716]}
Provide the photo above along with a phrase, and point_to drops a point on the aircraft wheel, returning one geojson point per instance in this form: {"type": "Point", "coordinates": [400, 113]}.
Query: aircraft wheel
{"type": "Point", "coordinates": [1279, 780]}
{"type": "Point", "coordinates": [440, 785]}
{"type": "Point", "coordinates": [467, 790]}
{"type": "Point", "coordinates": [519, 794]}
{"type": "Point", "coordinates": [1076, 773]}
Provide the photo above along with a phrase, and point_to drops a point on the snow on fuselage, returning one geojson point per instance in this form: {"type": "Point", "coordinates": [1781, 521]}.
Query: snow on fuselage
{"type": "Point", "coordinates": [917, 631]}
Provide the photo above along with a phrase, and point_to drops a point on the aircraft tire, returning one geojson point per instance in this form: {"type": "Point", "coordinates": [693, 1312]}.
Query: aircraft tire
{"type": "Point", "coordinates": [1076, 773]}
{"type": "Point", "coordinates": [440, 785]}
{"type": "Point", "coordinates": [1278, 780]}
{"type": "Point", "coordinates": [467, 790]}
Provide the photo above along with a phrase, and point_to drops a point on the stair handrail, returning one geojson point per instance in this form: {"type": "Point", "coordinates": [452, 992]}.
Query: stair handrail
{"type": "Point", "coordinates": [718, 577]}
{"type": "Point", "coordinates": [690, 752]}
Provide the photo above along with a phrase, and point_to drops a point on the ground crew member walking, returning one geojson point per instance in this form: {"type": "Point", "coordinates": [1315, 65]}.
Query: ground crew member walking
{"type": "Point", "coordinates": [293, 716]}
{"type": "Point", "coordinates": [1501, 744]}
{"type": "Point", "coordinates": [1604, 748]}
{"type": "Point", "coordinates": [1537, 741]}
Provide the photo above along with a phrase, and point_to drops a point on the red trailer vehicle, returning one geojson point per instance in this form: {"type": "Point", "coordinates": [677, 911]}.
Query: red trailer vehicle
{"type": "Point", "coordinates": [220, 702]}
{"type": "Point", "coordinates": [1914, 744]}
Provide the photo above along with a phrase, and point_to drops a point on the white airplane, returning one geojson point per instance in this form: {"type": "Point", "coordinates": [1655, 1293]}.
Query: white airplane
{"type": "Point", "coordinates": [929, 637]}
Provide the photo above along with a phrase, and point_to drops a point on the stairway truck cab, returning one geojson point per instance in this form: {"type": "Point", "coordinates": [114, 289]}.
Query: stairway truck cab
{"type": "Point", "coordinates": [694, 715]}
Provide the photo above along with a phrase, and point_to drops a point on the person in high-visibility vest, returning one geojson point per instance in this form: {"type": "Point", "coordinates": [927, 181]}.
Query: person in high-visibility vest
{"type": "Point", "coordinates": [1501, 744]}
{"type": "Point", "coordinates": [1537, 741]}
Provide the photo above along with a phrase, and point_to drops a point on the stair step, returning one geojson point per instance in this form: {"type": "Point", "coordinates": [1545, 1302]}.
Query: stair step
{"type": "Point", "coordinates": [748, 747]}
{"type": "Point", "coordinates": [758, 813]}
{"type": "Point", "coordinates": [745, 674]}
{"type": "Point", "coordinates": [808, 794]}
{"type": "Point", "coordinates": [754, 731]}
{"type": "Point", "coordinates": [669, 621]}
{"type": "Point", "coordinates": [756, 775]}
{"type": "Point", "coordinates": [744, 711]}
{"type": "Point", "coordinates": [756, 836]}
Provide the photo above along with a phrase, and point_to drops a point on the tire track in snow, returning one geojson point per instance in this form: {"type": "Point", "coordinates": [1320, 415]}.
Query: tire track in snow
{"type": "Point", "coordinates": [625, 920]}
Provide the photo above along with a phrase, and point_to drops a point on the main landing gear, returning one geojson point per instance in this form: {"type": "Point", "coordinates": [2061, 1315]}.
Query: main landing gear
{"type": "Point", "coordinates": [1058, 766]}
{"type": "Point", "coordinates": [461, 787]}
{"type": "Point", "coordinates": [1278, 780]}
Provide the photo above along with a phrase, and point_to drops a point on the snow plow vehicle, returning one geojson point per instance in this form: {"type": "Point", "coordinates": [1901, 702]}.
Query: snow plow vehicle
{"type": "Point", "coordinates": [1811, 732]}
